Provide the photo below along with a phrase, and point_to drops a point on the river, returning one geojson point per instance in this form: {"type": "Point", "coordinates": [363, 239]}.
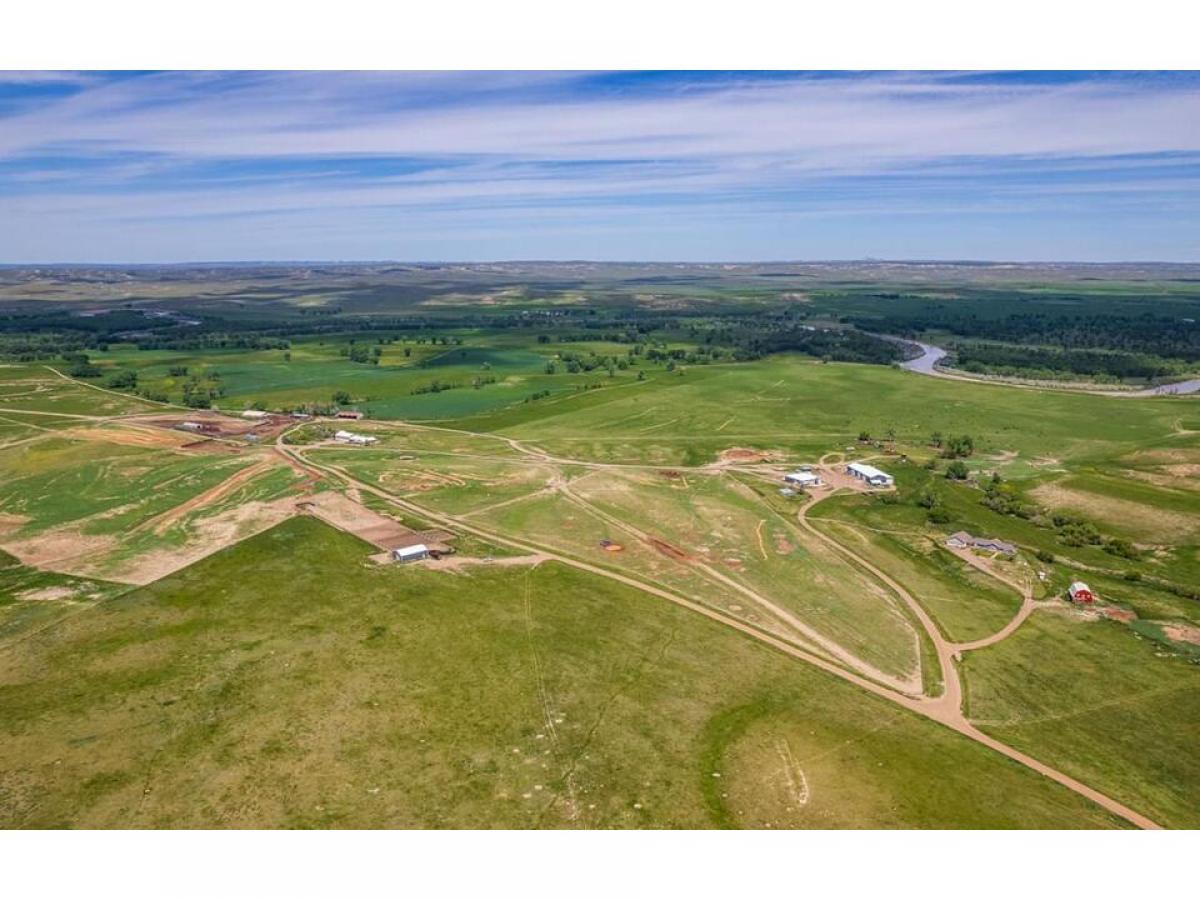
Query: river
{"type": "Point", "coordinates": [930, 356]}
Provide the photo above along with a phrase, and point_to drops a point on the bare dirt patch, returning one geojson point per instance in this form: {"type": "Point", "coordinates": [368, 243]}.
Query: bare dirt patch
{"type": "Point", "coordinates": [61, 550]}
{"type": "Point", "coordinates": [208, 445]}
{"type": "Point", "coordinates": [128, 437]}
{"type": "Point", "coordinates": [669, 550]}
{"type": "Point", "coordinates": [458, 563]}
{"type": "Point", "coordinates": [1187, 634]}
{"type": "Point", "coordinates": [163, 521]}
{"type": "Point", "coordinates": [11, 523]}
{"type": "Point", "coordinates": [48, 593]}
{"type": "Point", "coordinates": [748, 455]}
{"type": "Point", "coordinates": [206, 536]}
{"type": "Point", "coordinates": [354, 518]}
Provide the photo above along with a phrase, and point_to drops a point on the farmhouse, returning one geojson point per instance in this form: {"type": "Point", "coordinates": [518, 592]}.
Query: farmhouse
{"type": "Point", "coordinates": [351, 437]}
{"type": "Point", "coordinates": [348, 414]}
{"type": "Point", "coordinates": [411, 553]}
{"type": "Point", "coordinates": [961, 539]}
{"type": "Point", "coordinates": [1080, 593]}
{"type": "Point", "coordinates": [802, 478]}
{"type": "Point", "coordinates": [870, 475]}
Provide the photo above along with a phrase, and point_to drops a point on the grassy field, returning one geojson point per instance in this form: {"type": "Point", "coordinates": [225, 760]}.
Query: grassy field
{"type": "Point", "coordinates": [288, 681]}
{"type": "Point", "coordinates": [285, 682]}
{"type": "Point", "coordinates": [806, 408]}
{"type": "Point", "coordinates": [312, 370]}
{"type": "Point", "coordinates": [38, 389]}
{"type": "Point", "coordinates": [1102, 703]}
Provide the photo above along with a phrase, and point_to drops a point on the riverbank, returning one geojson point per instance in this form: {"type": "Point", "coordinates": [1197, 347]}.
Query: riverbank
{"type": "Point", "coordinates": [930, 358]}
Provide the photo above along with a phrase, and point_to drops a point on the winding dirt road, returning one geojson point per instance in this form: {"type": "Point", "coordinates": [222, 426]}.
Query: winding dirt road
{"type": "Point", "coordinates": [945, 709]}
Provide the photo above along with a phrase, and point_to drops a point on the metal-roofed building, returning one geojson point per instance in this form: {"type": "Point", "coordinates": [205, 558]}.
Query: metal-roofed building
{"type": "Point", "coordinates": [411, 553]}
{"type": "Point", "coordinates": [871, 475]}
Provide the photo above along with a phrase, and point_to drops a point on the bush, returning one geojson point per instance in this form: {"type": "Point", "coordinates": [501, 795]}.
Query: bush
{"type": "Point", "coordinates": [1121, 547]}
{"type": "Point", "coordinates": [958, 446]}
{"type": "Point", "coordinates": [1045, 556]}
{"type": "Point", "coordinates": [957, 471]}
{"type": "Point", "coordinates": [122, 381]}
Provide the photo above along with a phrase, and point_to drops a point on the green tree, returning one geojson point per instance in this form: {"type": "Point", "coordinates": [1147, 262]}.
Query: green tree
{"type": "Point", "coordinates": [957, 470]}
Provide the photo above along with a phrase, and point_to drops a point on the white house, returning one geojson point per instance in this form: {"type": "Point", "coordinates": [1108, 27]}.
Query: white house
{"type": "Point", "coordinates": [803, 479]}
{"type": "Point", "coordinates": [350, 437]}
{"type": "Point", "coordinates": [411, 553]}
{"type": "Point", "coordinates": [870, 475]}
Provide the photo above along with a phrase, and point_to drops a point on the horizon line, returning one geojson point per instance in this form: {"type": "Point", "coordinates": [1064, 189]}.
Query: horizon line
{"type": "Point", "coordinates": [868, 260]}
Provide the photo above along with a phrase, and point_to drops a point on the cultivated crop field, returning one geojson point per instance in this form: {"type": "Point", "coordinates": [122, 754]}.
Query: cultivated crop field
{"type": "Point", "coordinates": [629, 619]}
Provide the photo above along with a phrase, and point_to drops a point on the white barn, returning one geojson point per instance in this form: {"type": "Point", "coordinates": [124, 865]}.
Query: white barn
{"type": "Point", "coordinates": [411, 553]}
{"type": "Point", "coordinates": [351, 437]}
{"type": "Point", "coordinates": [803, 479]}
{"type": "Point", "coordinates": [871, 475]}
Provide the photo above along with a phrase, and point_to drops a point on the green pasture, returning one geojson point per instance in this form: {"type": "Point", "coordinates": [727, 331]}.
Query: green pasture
{"type": "Point", "coordinates": [311, 371]}
{"type": "Point", "coordinates": [1101, 703]}
{"type": "Point", "coordinates": [724, 524]}
{"type": "Point", "coordinates": [285, 683]}
{"type": "Point", "coordinates": [106, 489]}
{"type": "Point", "coordinates": [34, 388]}
{"type": "Point", "coordinates": [806, 408]}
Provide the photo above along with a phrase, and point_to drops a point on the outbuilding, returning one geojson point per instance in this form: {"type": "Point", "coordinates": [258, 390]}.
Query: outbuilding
{"type": "Point", "coordinates": [411, 553]}
{"type": "Point", "coordinates": [351, 437]}
{"type": "Point", "coordinates": [1080, 593]}
{"type": "Point", "coordinates": [802, 478]}
{"type": "Point", "coordinates": [254, 414]}
{"type": "Point", "coordinates": [871, 475]}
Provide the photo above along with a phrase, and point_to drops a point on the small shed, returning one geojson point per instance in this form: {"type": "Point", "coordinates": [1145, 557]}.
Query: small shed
{"type": "Point", "coordinates": [411, 553]}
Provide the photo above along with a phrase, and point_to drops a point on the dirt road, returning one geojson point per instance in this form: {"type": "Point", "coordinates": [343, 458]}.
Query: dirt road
{"type": "Point", "coordinates": [946, 710]}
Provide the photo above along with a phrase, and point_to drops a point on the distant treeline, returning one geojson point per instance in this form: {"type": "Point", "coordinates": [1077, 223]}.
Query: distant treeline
{"type": "Point", "coordinates": [1007, 359]}
{"type": "Point", "coordinates": [1147, 333]}
{"type": "Point", "coordinates": [763, 335]}
{"type": "Point", "coordinates": [716, 336]}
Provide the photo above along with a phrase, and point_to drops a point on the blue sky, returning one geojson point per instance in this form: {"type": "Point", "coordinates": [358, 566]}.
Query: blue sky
{"type": "Point", "coordinates": [183, 166]}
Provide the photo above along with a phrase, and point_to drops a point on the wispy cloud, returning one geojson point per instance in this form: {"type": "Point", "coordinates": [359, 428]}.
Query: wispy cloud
{"type": "Point", "coordinates": [102, 155]}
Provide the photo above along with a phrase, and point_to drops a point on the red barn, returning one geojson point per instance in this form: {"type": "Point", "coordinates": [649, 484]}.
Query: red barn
{"type": "Point", "coordinates": [1081, 593]}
